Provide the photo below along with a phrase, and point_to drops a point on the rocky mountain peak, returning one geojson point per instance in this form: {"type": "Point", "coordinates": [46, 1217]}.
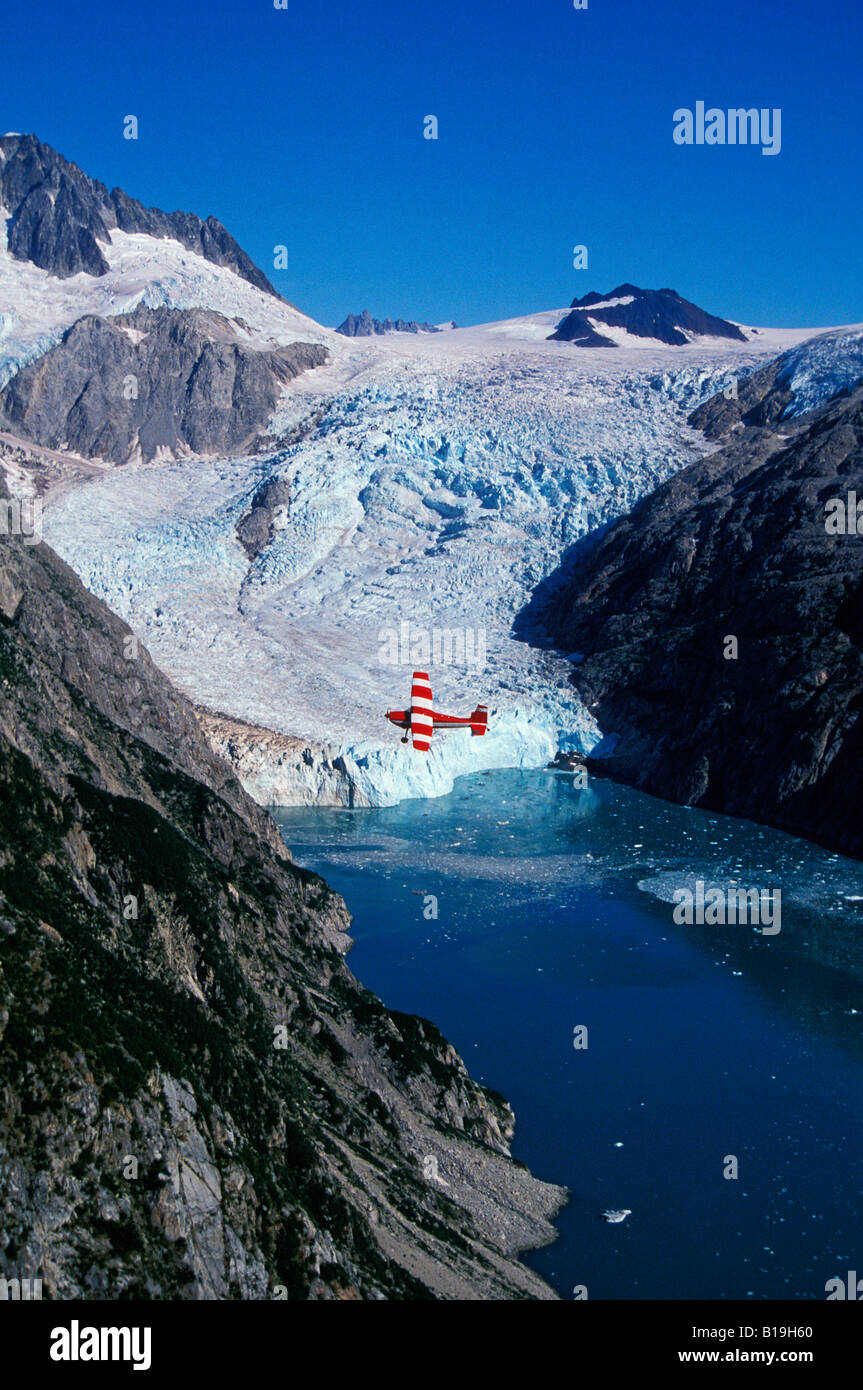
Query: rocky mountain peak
{"type": "Point", "coordinates": [152, 383]}
{"type": "Point", "coordinates": [61, 219]}
{"type": "Point", "coordinates": [364, 326]}
{"type": "Point", "coordinates": [661, 314]}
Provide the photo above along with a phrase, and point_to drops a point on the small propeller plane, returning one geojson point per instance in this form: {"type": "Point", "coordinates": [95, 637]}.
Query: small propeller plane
{"type": "Point", "coordinates": [419, 722]}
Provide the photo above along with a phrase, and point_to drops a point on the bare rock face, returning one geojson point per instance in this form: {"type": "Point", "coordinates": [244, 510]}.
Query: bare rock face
{"type": "Point", "coordinates": [364, 326]}
{"type": "Point", "coordinates": [269, 505]}
{"type": "Point", "coordinates": [60, 219]}
{"type": "Point", "coordinates": [661, 314]}
{"type": "Point", "coordinates": [719, 624]}
{"type": "Point", "coordinates": [197, 1099]}
{"type": "Point", "coordinates": [152, 382]}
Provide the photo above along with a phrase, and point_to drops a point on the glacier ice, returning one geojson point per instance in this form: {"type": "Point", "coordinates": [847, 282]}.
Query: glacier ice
{"type": "Point", "coordinates": [434, 483]}
{"type": "Point", "coordinates": [817, 371]}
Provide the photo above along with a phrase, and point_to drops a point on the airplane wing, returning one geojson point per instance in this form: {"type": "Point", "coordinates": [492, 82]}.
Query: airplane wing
{"type": "Point", "coordinates": [422, 720]}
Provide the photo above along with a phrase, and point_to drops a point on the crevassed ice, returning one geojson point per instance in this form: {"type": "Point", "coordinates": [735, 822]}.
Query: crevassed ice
{"type": "Point", "coordinates": [440, 498]}
{"type": "Point", "coordinates": [818, 370]}
{"type": "Point", "coordinates": [438, 490]}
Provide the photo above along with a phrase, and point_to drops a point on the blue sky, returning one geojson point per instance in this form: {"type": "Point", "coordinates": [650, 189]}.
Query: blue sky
{"type": "Point", "coordinates": [304, 127]}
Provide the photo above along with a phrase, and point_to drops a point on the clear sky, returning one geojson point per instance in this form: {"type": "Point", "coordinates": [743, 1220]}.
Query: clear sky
{"type": "Point", "coordinates": [304, 127]}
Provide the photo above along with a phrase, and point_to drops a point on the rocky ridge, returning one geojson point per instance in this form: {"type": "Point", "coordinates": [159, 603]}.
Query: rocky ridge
{"type": "Point", "coordinates": [364, 326]}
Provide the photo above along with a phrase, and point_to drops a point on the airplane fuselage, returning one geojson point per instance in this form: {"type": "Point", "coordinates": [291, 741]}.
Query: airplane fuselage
{"type": "Point", "coordinates": [402, 719]}
{"type": "Point", "coordinates": [420, 720]}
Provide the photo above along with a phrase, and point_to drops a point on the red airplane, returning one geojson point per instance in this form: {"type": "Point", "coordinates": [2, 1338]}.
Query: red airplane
{"type": "Point", "coordinates": [419, 721]}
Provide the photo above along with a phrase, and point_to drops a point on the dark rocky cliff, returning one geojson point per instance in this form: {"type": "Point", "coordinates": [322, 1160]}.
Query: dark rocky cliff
{"type": "Point", "coordinates": [60, 218]}
{"type": "Point", "coordinates": [152, 381]}
{"type": "Point", "coordinates": [197, 1099]}
{"type": "Point", "coordinates": [733, 546]}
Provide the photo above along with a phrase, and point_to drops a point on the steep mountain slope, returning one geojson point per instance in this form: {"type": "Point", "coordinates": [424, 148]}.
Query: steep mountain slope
{"type": "Point", "coordinates": [197, 1100]}
{"type": "Point", "coordinates": [61, 219]}
{"type": "Point", "coordinates": [659, 314]}
{"type": "Point", "coordinates": [737, 546]}
{"type": "Point", "coordinates": [152, 382]}
{"type": "Point", "coordinates": [796, 382]}
{"type": "Point", "coordinates": [154, 265]}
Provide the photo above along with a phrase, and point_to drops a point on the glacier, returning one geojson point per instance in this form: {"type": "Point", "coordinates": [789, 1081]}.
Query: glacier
{"type": "Point", "coordinates": [434, 482]}
{"type": "Point", "coordinates": [818, 371]}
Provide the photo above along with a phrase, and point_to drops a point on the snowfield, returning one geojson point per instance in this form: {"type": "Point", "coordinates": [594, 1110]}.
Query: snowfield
{"type": "Point", "coordinates": [819, 370]}
{"type": "Point", "coordinates": [36, 308]}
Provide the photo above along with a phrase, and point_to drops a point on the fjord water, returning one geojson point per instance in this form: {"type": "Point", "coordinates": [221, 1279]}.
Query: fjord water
{"type": "Point", "coordinates": [554, 911]}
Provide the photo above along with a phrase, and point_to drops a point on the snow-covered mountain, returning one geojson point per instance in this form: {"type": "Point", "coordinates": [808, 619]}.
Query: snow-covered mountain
{"type": "Point", "coordinates": [418, 490]}
{"type": "Point", "coordinates": [137, 256]}
{"type": "Point", "coordinates": [61, 219]}
{"type": "Point", "coordinates": [662, 315]}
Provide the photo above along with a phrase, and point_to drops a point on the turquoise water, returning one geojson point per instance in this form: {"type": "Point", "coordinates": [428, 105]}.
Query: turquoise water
{"type": "Point", "coordinates": [555, 911]}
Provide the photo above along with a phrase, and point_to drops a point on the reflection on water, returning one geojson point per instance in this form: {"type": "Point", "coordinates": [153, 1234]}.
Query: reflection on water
{"type": "Point", "coordinates": [554, 910]}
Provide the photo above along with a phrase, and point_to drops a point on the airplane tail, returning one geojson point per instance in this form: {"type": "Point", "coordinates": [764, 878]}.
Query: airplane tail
{"type": "Point", "coordinates": [479, 720]}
